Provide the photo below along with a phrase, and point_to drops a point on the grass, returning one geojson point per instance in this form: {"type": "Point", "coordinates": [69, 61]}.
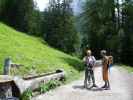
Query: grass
{"type": "Point", "coordinates": [43, 88]}
{"type": "Point", "coordinates": [48, 86]}
{"type": "Point", "coordinates": [128, 68]}
{"type": "Point", "coordinates": [34, 54]}
{"type": "Point", "coordinates": [26, 95]}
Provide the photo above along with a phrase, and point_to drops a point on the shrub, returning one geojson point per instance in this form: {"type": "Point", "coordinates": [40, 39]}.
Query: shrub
{"type": "Point", "coordinates": [26, 95]}
{"type": "Point", "coordinates": [50, 85]}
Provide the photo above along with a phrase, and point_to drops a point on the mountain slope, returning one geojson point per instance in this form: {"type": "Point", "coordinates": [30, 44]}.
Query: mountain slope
{"type": "Point", "coordinates": [34, 54]}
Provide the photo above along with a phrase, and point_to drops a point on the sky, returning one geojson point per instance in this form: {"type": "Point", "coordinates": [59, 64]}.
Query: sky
{"type": "Point", "coordinates": [42, 4]}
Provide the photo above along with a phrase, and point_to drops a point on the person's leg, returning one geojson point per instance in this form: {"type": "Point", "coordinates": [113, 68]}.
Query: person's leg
{"type": "Point", "coordinates": [86, 77]}
{"type": "Point", "coordinates": [93, 78]}
{"type": "Point", "coordinates": [108, 84]}
{"type": "Point", "coordinates": [105, 77]}
{"type": "Point", "coordinates": [89, 77]}
{"type": "Point", "coordinates": [105, 84]}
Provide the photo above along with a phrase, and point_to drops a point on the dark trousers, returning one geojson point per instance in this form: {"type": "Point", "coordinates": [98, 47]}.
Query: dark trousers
{"type": "Point", "coordinates": [89, 74]}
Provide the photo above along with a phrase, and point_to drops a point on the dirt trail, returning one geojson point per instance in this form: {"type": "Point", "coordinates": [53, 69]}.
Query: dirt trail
{"type": "Point", "coordinates": [121, 88]}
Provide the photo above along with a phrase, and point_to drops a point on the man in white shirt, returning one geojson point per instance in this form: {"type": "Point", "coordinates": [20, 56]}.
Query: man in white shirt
{"type": "Point", "coordinates": [89, 61]}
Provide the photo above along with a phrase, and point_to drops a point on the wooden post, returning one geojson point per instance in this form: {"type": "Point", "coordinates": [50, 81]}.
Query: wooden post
{"type": "Point", "coordinates": [7, 66]}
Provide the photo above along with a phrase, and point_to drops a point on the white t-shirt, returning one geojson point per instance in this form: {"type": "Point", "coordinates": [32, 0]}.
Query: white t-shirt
{"type": "Point", "coordinates": [90, 60]}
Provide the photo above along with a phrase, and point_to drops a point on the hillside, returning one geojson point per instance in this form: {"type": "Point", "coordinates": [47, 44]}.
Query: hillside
{"type": "Point", "coordinates": [31, 51]}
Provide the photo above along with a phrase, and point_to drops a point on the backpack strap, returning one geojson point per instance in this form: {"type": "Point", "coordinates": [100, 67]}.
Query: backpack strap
{"type": "Point", "coordinates": [110, 61]}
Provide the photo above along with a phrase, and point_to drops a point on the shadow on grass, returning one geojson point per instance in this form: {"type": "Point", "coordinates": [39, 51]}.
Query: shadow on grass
{"type": "Point", "coordinates": [77, 64]}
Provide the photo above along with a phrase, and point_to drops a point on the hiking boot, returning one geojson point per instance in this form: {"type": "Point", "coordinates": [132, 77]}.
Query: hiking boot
{"type": "Point", "coordinates": [104, 86]}
{"type": "Point", "coordinates": [94, 85]}
{"type": "Point", "coordinates": [107, 88]}
{"type": "Point", "coordinates": [85, 85]}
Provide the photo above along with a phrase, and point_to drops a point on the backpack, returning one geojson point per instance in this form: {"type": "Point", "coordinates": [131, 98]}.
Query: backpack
{"type": "Point", "coordinates": [110, 61]}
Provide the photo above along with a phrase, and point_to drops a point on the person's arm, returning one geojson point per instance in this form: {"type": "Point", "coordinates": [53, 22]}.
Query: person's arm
{"type": "Point", "coordinates": [110, 59]}
{"type": "Point", "coordinates": [84, 59]}
{"type": "Point", "coordinates": [94, 60]}
{"type": "Point", "coordinates": [106, 61]}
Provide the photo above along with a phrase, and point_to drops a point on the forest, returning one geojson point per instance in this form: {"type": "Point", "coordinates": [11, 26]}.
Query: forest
{"type": "Point", "coordinates": [102, 24]}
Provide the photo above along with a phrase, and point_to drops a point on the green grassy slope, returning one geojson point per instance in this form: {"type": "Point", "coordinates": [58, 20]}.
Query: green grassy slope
{"type": "Point", "coordinates": [128, 68]}
{"type": "Point", "coordinates": [31, 51]}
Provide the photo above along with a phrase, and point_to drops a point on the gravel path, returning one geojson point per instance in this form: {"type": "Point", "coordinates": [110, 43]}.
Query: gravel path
{"type": "Point", "coordinates": [121, 88]}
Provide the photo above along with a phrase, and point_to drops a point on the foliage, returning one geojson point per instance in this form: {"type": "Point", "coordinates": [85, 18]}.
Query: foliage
{"type": "Point", "coordinates": [55, 24]}
{"type": "Point", "coordinates": [98, 18]}
{"type": "Point", "coordinates": [44, 87]}
{"type": "Point", "coordinates": [31, 51]}
{"type": "Point", "coordinates": [127, 39]}
{"type": "Point", "coordinates": [26, 95]}
{"type": "Point", "coordinates": [21, 15]}
{"type": "Point", "coordinates": [128, 68]}
{"type": "Point", "coordinates": [107, 24]}
{"type": "Point", "coordinates": [48, 86]}
{"type": "Point", "coordinates": [59, 29]}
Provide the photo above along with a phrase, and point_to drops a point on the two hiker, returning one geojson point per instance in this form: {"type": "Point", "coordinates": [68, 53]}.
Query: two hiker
{"type": "Point", "coordinates": [90, 61]}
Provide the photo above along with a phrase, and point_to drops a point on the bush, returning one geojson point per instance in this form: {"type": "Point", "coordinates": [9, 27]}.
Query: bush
{"type": "Point", "coordinates": [26, 95]}
{"type": "Point", "coordinates": [50, 85]}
